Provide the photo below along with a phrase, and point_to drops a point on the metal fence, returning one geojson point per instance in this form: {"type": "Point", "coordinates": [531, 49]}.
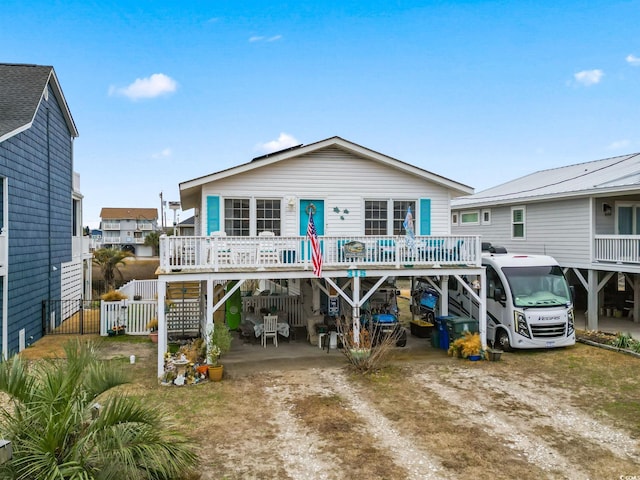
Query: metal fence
{"type": "Point", "coordinates": [66, 317]}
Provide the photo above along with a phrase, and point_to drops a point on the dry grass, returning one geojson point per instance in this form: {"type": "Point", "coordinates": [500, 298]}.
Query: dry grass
{"type": "Point", "coordinates": [456, 413]}
{"type": "Point", "coordinates": [555, 414]}
{"type": "Point", "coordinates": [135, 269]}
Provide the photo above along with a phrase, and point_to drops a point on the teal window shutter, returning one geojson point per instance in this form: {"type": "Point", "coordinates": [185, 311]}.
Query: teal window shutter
{"type": "Point", "coordinates": [425, 216]}
{"type": "Point", "coordinates": [213, 214]}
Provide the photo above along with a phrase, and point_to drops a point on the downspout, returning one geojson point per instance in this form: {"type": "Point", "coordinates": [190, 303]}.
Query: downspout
{"type": "Point", "coordinates": [5, 282]}
{"type": "Point", "coordinates": [50, 266]}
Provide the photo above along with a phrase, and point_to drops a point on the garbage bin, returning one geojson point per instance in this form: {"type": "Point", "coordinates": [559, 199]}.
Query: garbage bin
{"type": "Point", "coordinates": [457, 326]}
{"type": "Point", "coordinates": [435, 338]}
{"type": "Point", "coordinates": [443, 333]}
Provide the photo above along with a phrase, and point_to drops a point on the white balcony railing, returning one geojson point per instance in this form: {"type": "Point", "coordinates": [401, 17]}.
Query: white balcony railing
{"type": "Point", "coordinates": [617, 248]}
{"type": "Point", "coordinates": [110, 240]}
{"type": "Point", "coordinates": [144, 226]}
{"type": "Point", "coordinates": [110, 226]}
{"type": "Point", "coordinates": [231, 253]}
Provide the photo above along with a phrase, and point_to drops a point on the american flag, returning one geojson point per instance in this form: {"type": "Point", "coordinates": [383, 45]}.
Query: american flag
{"type": "Point", "coordinates": [316, 254]}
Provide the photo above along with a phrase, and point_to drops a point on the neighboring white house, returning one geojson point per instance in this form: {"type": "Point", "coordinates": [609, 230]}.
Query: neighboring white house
{"type": "Point", "coordinates": [357, 197]}
{"type": "Point", "coordinates": [586, 215]}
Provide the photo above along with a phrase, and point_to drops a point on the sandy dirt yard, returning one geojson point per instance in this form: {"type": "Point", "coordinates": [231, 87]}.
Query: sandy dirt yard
{"type": "Point", "coordinates": [561, 414]}
{"type": "Point", "coordinates": [443, 421]}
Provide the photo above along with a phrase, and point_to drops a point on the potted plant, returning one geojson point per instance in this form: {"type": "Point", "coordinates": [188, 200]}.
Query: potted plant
{"type": "Point", "coordinates": [218, 342]}
{"type": "Point", "coordinates": [215, 369]}
{"type": "Point", "coordinates": [468, 346]}
{"type": "Point", "coordinates": [152, 326]}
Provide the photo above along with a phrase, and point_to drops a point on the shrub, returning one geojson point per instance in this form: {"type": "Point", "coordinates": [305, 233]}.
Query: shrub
{"type": "Point", "coordinates": [113, 296]}
{"type": "Point", "coordinates": [468, 344]}
{"type": "Point", "coordinates": [363, 356]}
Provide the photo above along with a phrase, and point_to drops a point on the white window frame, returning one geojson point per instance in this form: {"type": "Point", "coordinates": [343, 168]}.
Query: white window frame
{"type": "Point", "coordinates": [469, 212]}
{"type": "Point", "coordinates": [487, 212]}
{"type": "Point", "coordinates": [523, 223]}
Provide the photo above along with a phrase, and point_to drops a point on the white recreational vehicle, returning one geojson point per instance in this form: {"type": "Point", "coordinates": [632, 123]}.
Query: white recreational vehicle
{"type": "Point", "coordinates": [529, 302]}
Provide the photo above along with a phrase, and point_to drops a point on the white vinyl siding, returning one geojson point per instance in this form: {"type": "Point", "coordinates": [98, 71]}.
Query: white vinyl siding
{"type": "Point", "coordinates": [343, 180]}
{"type": "Point", "coordinates": [560, 228]}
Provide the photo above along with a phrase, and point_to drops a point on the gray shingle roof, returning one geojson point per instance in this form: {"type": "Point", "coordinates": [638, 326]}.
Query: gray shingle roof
{"type": "Point", "coordinates": [599, 176]}
{"type": "Point", "coordinates": [21, 89]}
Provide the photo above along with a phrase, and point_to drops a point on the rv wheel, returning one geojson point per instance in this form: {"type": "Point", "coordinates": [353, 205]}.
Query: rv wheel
{"type": "Point", "coordinates": [502, 340]}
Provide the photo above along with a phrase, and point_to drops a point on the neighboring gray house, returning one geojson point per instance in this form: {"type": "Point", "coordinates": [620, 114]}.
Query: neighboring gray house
{"type": "Point", "coordinates": [127, 228]}
{"type": "Point", "coordinates": [586, 215]}
{"type": "Point", "coordinates": [186, 227]}
{"type": "Point", "coordinates": [43, 255]}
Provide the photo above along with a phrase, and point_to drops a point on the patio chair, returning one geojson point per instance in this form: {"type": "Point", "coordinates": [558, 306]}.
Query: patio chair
{"type": "Point", "coordinates": [219, 250]}
{"type": "Point", "coordinates": [270, 329]}
{"type": "Point", "coordinates": [267, 253]}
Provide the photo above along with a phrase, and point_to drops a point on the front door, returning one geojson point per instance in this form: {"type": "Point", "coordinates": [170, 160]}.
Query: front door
{"type": "Point", "coordinates": [306, 207]}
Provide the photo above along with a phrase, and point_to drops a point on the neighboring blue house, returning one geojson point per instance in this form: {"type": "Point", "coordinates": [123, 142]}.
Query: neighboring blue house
{"type": "Point", "coordinates": [42, 254]}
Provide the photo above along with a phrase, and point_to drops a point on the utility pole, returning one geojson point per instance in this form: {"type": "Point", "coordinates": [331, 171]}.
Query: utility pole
{"type": "Point", "coordinates": [161, 212]}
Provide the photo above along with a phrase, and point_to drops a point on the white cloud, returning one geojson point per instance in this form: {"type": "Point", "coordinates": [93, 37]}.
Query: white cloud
{"type": "Point", "coordinates": [258, 38]}
{"type": "Point", "coordinates": [633, 60]}
{"type": "Point", "coordinates": [154, 86]}
{"type": "Point", "coordinates": [619, 144]}
{"type": "Point", "coordinates": [284, 141]}
{"type": "Point", "coordinates": [165, 153]}
{"type": "Point", "coordinates": [589, 77]}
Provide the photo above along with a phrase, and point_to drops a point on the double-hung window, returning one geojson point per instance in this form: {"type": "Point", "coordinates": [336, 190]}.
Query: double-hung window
{"type": "Point", "coordinates": [375, 217]}
{"type": "Point", "coordinates": [237, 217]}
{"type": "Point", "coordinates": [400, 208]}
{"type": "Point", "coordinates": [268, 216]}
{"type": "Point", "coordinates": [517, 222]}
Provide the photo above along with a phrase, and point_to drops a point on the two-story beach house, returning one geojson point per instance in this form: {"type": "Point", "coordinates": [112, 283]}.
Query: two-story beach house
{"type": "Point", "coordinates": [587, 216]}
{"type": "Point", "coordinates": [43, 254]}
{"type": "Point", "coordinates": [252, 227]}
{"type": "Point", "coordinates": [127, 228]}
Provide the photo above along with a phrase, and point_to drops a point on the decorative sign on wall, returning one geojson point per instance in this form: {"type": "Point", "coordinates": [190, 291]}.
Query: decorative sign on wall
{"type": "Point", "coordinates": [344, 212]}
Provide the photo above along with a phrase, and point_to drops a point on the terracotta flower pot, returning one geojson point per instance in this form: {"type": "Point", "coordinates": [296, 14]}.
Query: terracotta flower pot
{"type": "Point", "coordinates": [215, 372]}
{"type": "Point", "coordinates": [154, 337]}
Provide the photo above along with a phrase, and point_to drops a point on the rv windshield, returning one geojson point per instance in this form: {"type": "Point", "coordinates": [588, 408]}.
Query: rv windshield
{"type": "Point", "coordinates": [539, 286]}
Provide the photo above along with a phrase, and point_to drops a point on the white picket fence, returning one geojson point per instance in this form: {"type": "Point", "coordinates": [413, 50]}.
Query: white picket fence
{"type": "Point", "coordinates": [145, 289]}
{"type": "Point", "coordinates": [134, 315]}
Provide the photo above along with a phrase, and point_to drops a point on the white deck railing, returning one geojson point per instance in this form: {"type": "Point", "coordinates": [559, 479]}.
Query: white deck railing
{"type": "Point", "coordinates": [228, 253]}
{"type": "Point", "coordinates": [145, 289]}
{"type": "Point", "coordinates": [617, 248]}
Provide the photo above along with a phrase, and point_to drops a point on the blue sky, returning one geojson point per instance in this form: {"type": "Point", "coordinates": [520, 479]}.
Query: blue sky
{"type": "Point", "coordinates": [480, 92]}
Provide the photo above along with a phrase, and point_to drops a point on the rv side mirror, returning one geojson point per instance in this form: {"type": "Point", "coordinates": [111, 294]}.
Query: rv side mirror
{"type": "Point", "coordinates": [572, 289]}
{"type": "Point", "coordinates": [499, 296]}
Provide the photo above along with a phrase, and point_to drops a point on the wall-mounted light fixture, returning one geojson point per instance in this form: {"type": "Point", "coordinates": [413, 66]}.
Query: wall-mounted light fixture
{"type": "Point", "coordinates": [606, 209]}
{"type": "Point", "coordinates": [291, 201]}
